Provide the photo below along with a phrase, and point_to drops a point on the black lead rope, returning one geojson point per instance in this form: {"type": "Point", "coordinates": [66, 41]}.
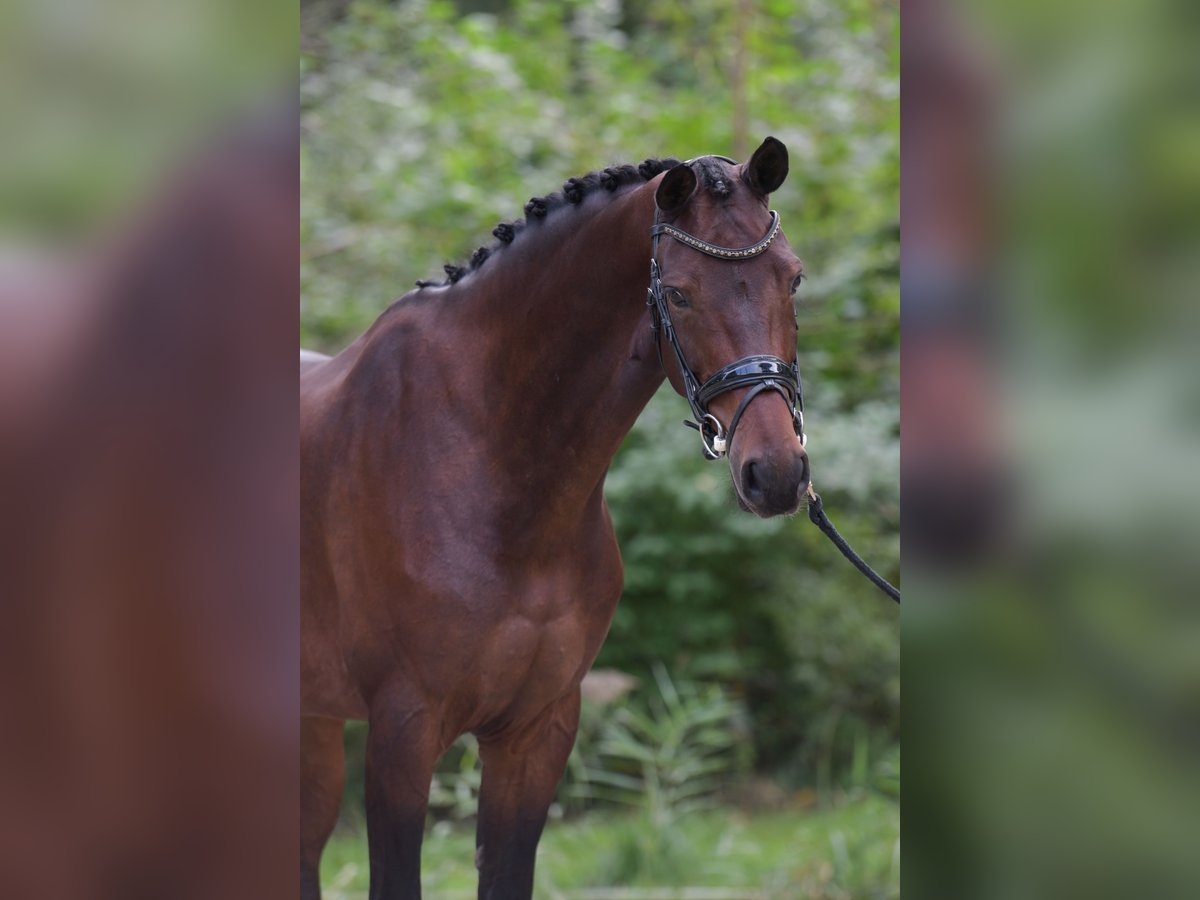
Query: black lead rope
{"type": "Point", "coordinates": [816, 515]}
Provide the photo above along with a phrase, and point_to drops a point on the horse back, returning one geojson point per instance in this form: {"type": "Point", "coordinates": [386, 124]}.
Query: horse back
{"type": "Point", "coordinates": [309, 359]}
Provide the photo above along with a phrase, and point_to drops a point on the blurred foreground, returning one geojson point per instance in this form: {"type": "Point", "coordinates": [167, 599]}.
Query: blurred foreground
{"type": "Point", "coordinates": [1051, 435]}
{"type": "Point", "coordinates": [148, 634]}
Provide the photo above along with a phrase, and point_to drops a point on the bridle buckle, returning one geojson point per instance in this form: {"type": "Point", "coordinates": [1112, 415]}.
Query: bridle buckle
{"type": "Point", "coordinates": [716, 445]}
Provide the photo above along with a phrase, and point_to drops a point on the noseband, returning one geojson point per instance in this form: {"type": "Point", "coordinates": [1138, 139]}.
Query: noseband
{"type": "Point", "coordinates": [760, 372]}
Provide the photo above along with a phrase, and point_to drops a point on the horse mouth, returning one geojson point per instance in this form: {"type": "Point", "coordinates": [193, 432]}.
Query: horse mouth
{"type": "Point", "coordinates": [766, 512]}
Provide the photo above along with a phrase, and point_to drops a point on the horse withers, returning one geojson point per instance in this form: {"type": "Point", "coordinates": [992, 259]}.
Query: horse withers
{"type": "Point", "coordinates": [459, 567]}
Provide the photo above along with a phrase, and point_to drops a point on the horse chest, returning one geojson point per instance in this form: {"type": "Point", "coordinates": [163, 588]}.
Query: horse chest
{"type": "Point", "coordinates": [530, 656]}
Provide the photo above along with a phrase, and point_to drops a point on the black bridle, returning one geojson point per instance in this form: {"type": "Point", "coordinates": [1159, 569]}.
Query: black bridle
{"type": "Point", "coordinates": [759, 372]}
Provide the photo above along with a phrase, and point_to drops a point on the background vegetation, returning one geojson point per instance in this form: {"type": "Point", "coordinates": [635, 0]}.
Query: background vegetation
{"type": "Point", "coordinates": [425, 122]}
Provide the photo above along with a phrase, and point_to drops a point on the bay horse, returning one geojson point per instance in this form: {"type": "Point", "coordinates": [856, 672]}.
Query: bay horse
{"type": "Point", "coordinates": [459, 567]}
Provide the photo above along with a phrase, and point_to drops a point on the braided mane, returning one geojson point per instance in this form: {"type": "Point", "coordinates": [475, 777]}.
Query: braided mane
{"type": "Point", "coordinates": [573, 192]}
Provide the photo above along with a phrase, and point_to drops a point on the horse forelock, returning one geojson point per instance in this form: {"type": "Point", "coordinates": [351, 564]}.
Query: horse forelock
{"type": "Point", "coordinates": [714, 178]}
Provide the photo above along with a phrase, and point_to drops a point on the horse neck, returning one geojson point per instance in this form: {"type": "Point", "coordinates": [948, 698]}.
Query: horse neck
{"type": "Point", "coordinates": [567, 361]}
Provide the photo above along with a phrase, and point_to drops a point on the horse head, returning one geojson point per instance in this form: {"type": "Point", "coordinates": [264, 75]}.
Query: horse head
{"type": "Point", "coordinates": [722, 298]}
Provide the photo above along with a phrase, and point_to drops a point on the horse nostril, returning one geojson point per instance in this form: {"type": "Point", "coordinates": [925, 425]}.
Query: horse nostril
{"type": "Point", "coordinates": [750, 481]}
{"type": "Point", "coordinates": [774, 485]}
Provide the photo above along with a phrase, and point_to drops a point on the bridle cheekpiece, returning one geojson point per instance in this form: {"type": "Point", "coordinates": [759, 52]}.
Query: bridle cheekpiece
{"type": "Point", "coordinates": [759, 372]}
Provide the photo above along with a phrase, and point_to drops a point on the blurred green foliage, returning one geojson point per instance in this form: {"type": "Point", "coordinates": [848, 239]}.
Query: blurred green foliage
{"type": "Point", "coordinates": [97, 112]}
{"type": "Point", "coordinates": [667, 758]}
{"type": "Point", "coordinates": [425, 122]}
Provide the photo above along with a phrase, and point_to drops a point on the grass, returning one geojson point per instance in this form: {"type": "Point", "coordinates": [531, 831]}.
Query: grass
{"type": "Point", "coordinates": [848, 852]}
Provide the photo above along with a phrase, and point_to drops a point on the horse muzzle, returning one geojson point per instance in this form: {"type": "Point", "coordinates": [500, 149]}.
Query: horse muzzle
{"type": "Point", "coordinates": [772, 483]}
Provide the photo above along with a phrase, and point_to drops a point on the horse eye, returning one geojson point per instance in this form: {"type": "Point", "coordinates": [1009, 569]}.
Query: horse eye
{"type": "Point", "coordinates": [796, 283]}
{"type": "Point", "coordinates": [677, 298]}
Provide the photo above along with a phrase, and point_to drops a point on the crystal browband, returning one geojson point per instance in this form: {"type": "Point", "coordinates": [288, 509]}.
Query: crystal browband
{"type": "Point", "coordinates": [713, 249]}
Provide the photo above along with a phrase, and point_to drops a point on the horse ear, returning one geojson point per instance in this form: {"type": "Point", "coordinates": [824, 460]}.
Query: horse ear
{"type": "Point", "coordinates": [767, 167]}
{"type": "Point", "coordinates": [676, 188]}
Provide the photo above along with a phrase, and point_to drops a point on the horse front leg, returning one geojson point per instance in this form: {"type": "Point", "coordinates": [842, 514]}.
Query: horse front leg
{"type": "Point", "coordinates": [322, 775]}
{"type": "Point", "coordinates": [521, 771]}
{"type": "Point", "coordinates": [401, 752]}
